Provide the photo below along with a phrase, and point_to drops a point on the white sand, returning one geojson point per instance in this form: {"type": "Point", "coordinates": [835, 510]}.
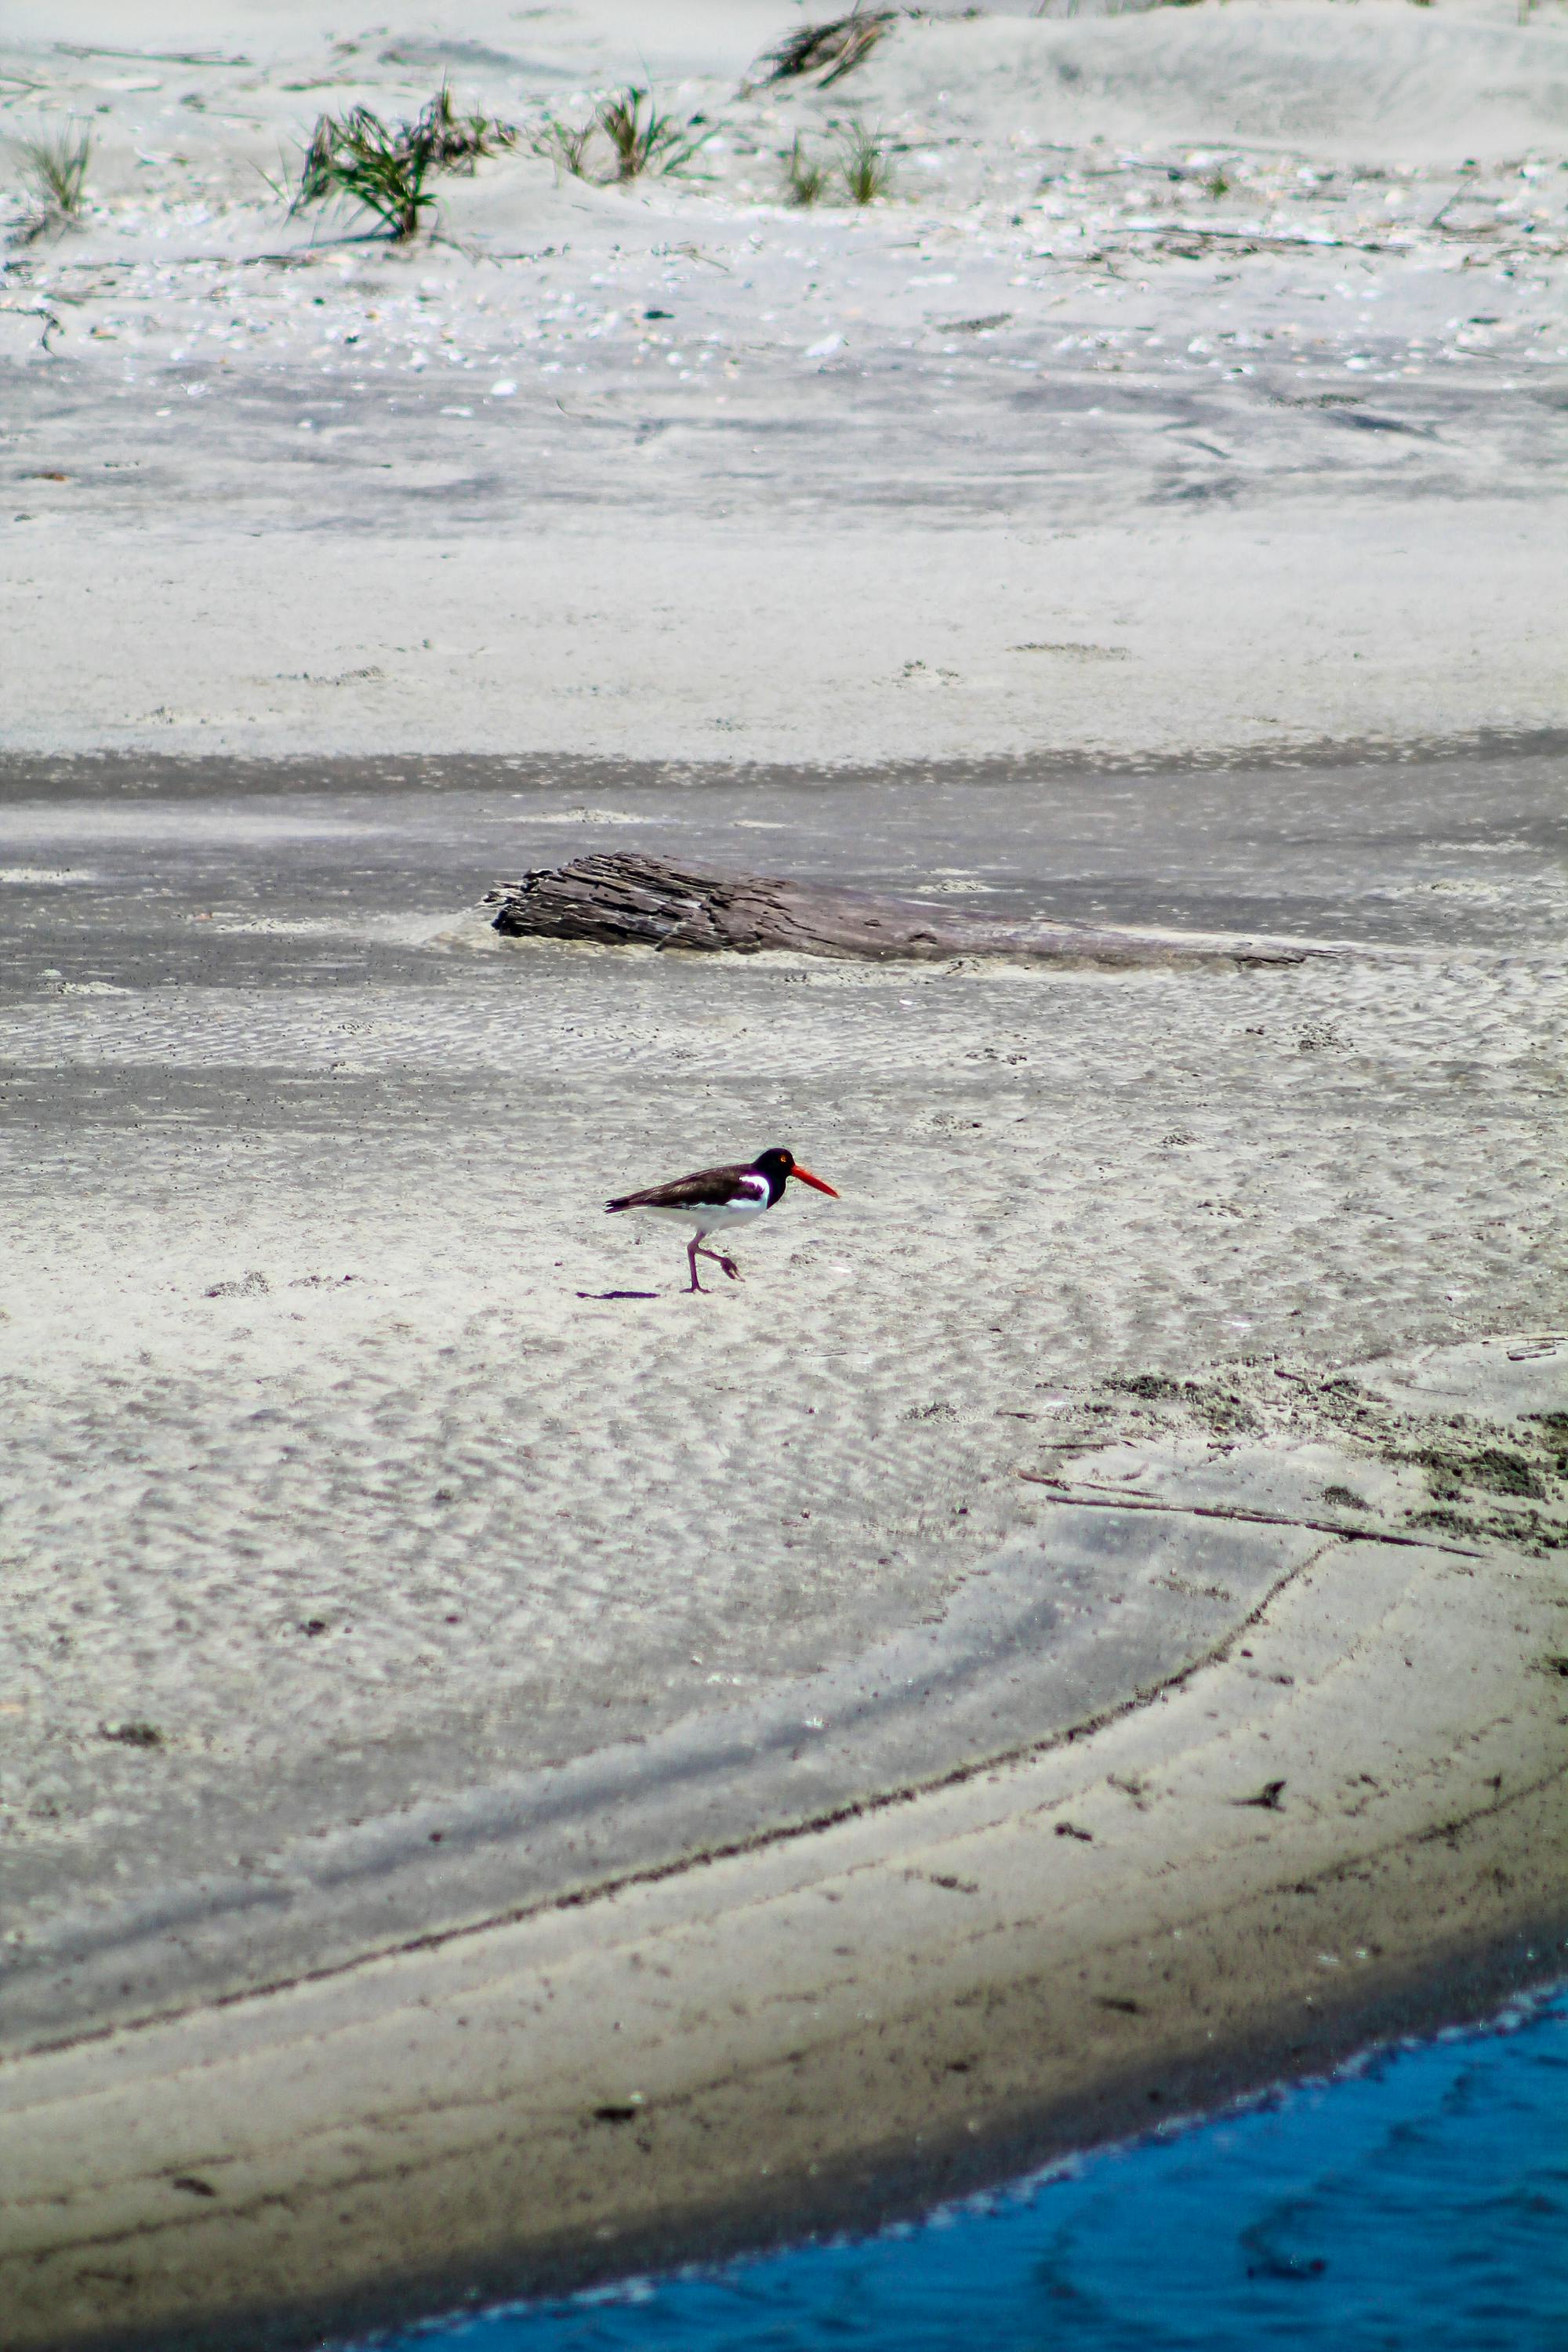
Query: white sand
{"type": "Point", "coordinates": [1288, 453]}
{"type": "Point", "coordinates": [524, 1516]}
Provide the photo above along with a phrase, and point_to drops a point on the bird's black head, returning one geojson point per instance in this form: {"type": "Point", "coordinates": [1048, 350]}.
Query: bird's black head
{"type": "Point", "coordinates": [778, 1166]}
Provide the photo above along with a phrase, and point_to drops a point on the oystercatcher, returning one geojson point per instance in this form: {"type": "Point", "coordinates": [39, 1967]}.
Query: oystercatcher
{"type": "Point", "coordinates": [717, 1197]}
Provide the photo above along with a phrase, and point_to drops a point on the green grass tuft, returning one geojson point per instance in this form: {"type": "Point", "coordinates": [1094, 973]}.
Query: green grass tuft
{"type": "Point", "coordinates": [387, 167]}
{"type": "Point", "coordinates": [566, 146]}
{"type": "Point", "coordinates": [645, 142]}
{"type": "Point", "coordinates": [639, 137]}
{"type": "Point", "coordinates": [55, 165]}
{"type": "Point", "coordinates": [805, 175]}
{"type": "Point", "coordinates": [865, 159]}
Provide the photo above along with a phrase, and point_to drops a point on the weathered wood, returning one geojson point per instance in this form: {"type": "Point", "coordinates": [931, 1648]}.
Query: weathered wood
{"type": "Point", "coordinates": [623, 900]}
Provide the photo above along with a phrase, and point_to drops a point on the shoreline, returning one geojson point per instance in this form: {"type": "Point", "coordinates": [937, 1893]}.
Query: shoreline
{"type": "Point", "coordinates": [736, 2031]}
{"type": "Point", "coordinates": [127, 768]}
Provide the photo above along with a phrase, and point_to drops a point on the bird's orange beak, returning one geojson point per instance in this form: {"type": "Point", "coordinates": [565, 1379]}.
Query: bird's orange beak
{"type": "Point", "coordinates": [807, 1177]}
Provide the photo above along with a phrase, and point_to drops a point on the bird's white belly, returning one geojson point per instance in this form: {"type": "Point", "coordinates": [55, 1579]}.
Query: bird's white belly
{"type": "Point", "coordinates": [713, 1219]}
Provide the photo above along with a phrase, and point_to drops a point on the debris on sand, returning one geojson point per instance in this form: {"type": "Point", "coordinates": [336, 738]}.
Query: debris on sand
{"type": "Point", "coordinates": [620, 899]}
{"type": "Point", "coordinates": [832, 49]}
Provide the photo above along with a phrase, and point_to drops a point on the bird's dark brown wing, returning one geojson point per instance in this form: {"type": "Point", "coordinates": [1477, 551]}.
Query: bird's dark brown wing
{"type": "Point", "coordinates": [709, 1189]}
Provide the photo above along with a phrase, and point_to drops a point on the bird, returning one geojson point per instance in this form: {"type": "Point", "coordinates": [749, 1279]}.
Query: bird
{"type": "Point", "coordinates": [717, 1197]}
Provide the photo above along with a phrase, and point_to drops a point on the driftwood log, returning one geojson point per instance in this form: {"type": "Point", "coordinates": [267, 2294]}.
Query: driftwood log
{"type": "Point", "coordinates": [620, 900]}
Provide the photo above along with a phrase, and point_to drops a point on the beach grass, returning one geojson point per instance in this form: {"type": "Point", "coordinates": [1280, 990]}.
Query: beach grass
{"type": "Point", "coordinates": [805, 175]}
{"type": "Point", "coordinates": [865, 160]}
{"type": "Point", "coordinates": [641, 139]}
{"type": "Point", "coordinates": [567, 145]}
{"type": "Point", "coordinates": [55, 166]}
{"type": "Point", "coordinates": [387, 167]}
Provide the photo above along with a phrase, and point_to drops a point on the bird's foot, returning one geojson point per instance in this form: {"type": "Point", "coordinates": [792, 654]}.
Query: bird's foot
{"type": "Point", "coordinates": [731, 1268]}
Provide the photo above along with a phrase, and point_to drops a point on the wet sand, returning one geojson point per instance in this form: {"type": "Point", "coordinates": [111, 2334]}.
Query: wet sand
{"type": "Point", "coordinates": [433, 1559]}
{"type": "Point", "coordinates": [376, 1460]}
{"type": "Point", "coordinates": [1347, 1824]}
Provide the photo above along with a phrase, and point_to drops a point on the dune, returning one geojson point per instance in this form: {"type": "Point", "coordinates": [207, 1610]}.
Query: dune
{"type": "Point", "coordinates": [1373, 84]}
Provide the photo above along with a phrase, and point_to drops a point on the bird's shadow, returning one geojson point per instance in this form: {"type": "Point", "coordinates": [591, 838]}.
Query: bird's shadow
{"type": "Point", "coordinates": [617, 1294]}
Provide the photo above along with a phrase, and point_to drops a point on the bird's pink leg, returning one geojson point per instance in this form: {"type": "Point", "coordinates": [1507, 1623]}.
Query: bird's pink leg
{"type": "Point", "coordinates": [692, 1247]}
{"type": "Point", "coordinates": [731, 1268]}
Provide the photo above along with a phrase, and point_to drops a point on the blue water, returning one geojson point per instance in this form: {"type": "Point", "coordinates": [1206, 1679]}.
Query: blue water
{"type": "Point", "coordinates": [1417, 2200]}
